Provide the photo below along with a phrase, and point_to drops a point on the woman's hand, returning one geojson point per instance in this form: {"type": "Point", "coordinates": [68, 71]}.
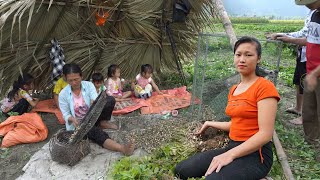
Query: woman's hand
{"type": "Point", "coordinates": [74, 121]}
{"type": "Point", "coordinates": [203, 128]}
{"type": "Point", "coordinates": [218, 162]}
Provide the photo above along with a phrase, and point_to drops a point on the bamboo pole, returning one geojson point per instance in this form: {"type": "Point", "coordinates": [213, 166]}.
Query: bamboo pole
{"type": "Point", "coordinates": [282, 157]}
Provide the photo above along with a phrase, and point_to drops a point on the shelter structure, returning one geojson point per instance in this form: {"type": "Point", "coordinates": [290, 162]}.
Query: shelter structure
{"type": "Point", "coordinates": [97, 33]}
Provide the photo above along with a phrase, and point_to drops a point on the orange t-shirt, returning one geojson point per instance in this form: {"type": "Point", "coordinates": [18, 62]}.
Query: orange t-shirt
{"type": "Point", "coordinates": [243, 108]}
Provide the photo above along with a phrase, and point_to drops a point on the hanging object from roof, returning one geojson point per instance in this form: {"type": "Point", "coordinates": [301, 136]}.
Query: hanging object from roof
{"type": "Point", "coordinates": [101, 18]}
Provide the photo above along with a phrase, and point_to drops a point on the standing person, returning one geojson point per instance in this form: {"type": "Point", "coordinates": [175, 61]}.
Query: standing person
{"type": "Point", "coordinates": [252, 106]}
{"type": "Point", "coordinates": [300, 69]}
{"type": "Point", "coordinates": [144, 83]}
{"type": "Point", "coordinates": [74, 102]}
{"type": "Point", "coordinates": [23, 86]}
{"type": "Point", "coordinates": [115, 85]}
{"type": "Point", "coordinates": [311, 101]}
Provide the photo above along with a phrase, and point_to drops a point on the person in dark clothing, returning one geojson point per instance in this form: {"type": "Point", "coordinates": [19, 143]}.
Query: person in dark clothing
{"type": "Point", "coordinates": [252, 107]}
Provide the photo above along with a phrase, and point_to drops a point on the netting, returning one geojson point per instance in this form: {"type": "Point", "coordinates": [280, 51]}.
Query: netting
{"type": "Point", "coordinates": [214, 74]}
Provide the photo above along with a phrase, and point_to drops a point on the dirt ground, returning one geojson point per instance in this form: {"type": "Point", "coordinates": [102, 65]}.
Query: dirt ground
{"type": "Point", "coordinates": [13, 159]}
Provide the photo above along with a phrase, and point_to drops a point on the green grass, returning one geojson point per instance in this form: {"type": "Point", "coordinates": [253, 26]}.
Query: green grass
{"type": "Point", "coordinates": [301, 155]}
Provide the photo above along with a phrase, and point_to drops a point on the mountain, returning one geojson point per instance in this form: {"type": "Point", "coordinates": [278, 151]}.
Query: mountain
{"type": "Point", "coordinates": [280, 9]}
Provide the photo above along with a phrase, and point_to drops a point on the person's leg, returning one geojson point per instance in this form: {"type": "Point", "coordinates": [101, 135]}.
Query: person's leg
{"type": "Point", "coordinates": [198, 164]}
{"type": "Point", "coordinates": [298, 80]}
{"type": "Point", "coordinates": [106, 113]}
{"type": "Point", "coordinates": [102, 138]}
{"type": "Point", "coordinates": [247, 167]}
{"type": "Point", "coordinates": [310, 114]}
{"type": "Point", "coordinates": [126, 95]}
{"type": "Point", "coordinates": [112, 145]}
{"type": "Point", "coordinates": [317, 92]}
{"type": "Point", "coordinates": [22, 107]}
{"type": "Point", "coordinates": [299, 72]}
{"type": "Point", "coordinates": [298, 107]}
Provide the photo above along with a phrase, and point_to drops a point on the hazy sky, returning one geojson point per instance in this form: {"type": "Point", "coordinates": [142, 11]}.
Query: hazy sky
{"type": "Point", "coordinates": [278, 8]}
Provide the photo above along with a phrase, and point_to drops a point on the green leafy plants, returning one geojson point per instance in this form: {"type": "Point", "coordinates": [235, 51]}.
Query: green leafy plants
{"type": "Point", "coordinates": [160, 164]}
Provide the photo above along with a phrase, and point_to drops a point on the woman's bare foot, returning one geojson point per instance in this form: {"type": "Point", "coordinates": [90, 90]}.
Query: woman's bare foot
{"type": "Point", "coordinates": [296, 121]}
{"type": "Point", "coordinates": [108, 125]}
{"type": "Point", "coordinates": [293, 110]}
{"type": "Point", "coordinates": [128, 148]}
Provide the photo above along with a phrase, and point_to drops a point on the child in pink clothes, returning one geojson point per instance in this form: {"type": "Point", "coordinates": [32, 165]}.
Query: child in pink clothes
{"type": "Point", "coordinates": [143, 83]}
{"type": "Point", "coordinates": [11, 100]}
{"type": "Point", "coordinates": [114, 84]}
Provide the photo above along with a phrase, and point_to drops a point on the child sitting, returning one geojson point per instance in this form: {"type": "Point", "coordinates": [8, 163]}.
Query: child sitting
{"type": "Point", "coordinates": [114, 84]}
{"type": "Point", "coordinates": [143, 84]}
{"type": "Point", "coordinates": [97, 80]}
{"type": "Point", "coordinates": [23, 86]}
{"type": "Point", "coordinates": [11, 100]}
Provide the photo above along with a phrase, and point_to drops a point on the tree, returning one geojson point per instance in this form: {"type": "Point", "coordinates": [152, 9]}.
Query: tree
{"type": "Point", "coordinates": [222, 13]}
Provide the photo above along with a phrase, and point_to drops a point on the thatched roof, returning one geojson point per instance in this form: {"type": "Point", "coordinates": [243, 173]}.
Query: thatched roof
{"type": "Point", "coordinates": [135, 33]}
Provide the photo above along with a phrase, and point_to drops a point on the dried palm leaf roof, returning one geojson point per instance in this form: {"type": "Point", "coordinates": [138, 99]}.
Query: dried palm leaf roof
{"type": "Point", "coordinates": [135, 33]}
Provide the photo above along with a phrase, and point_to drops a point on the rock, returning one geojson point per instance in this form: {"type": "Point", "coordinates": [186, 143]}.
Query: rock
{"type": "Point", "coordinates": [94, 166]}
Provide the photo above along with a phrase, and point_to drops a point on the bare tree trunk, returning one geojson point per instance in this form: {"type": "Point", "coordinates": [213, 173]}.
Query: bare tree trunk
{"type": "Point", "coordinates": [222, 13]}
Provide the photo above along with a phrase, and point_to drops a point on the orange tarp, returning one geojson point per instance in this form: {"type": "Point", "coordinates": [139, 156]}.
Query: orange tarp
{"type": "Point", "coordinates": [171, 99]}
{"type": "Point", "coordinates": [49, 106]}
{"type": "Point", "coordinates": [26, 128]}
{"type": "Point", "coordinates": [125, 107]}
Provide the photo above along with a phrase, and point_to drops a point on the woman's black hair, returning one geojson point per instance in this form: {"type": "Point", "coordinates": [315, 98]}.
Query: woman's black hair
{"type": "Point", "coordinates": [112, 70]}
{"type": "Point", "coordinates": [71, 68]}
{"type": "Point", "coordinates": [12, 93]}
{"type": "Point", "coordinates": [24, 79]}
{"type": "Point", "coordinates": [146, 68]}
{"type": "Point", "coordinates": [97, 77]}
{"type": "Point", "coordinates": [247, 39]}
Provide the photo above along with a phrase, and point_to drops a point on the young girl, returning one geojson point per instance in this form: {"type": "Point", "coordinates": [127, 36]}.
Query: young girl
{"type": "Point", "coordinates": [11, 100]}
{"type": "Point", "coordinates": [143, 84]}
{"type": "Point", "coordinates": [97, 80]}
{"type": "Point", "coordinates": [24, 100]}
{"type": "Point", "coordinates": [114, 84]}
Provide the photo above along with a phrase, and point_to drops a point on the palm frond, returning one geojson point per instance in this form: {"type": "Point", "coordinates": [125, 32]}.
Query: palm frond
{"type": "Point", "coordinates": [134, 34]}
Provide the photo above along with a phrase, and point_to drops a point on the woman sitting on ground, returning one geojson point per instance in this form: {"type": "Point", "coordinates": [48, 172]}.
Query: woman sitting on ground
{"type": "Point", "coordinates": [74, 102]}
{"type": "Point", "coordinates": [252, 106]}
{"type": "Point", "coordinates": [19, 100]}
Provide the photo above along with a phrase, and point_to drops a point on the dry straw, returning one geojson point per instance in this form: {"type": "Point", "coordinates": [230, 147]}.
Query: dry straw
{"type": "Point", "coordinates": [135, 33]}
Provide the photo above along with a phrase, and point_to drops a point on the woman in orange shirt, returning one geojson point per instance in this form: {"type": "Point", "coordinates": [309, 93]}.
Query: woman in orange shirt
{"type": "Point", "coordinates": [252, 106]}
